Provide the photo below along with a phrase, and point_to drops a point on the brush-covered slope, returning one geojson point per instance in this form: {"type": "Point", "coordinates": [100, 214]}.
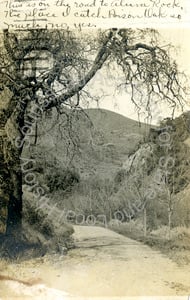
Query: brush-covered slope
{"type": "Point", "coordinates": [94, 141]}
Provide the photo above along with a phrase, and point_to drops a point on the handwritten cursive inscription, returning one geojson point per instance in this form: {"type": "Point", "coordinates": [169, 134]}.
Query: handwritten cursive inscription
{"type": "Point", "coordinates": [60, 14]}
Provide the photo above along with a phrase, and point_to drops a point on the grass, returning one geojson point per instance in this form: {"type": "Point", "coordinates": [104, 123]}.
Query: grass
{"type": "Point", "coordinates": [176, 248]}
{"type": "Point", "coordinates": [39, 227]}
{"type": "Point", "coordinates": [41, 233]}
{"type": "Point", "coordinates": [3, 264]}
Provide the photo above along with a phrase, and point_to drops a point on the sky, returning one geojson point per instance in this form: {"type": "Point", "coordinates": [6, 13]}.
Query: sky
{"type": "Point", "coordinates": [120, 103]}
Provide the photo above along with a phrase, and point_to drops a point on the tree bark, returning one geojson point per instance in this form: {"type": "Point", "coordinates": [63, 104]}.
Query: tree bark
{"type": "Point", "coordinates": [4, 188]}
{"type": "Point", "coordinates": [10, 190]}
{"type": "Point", "coordinates": [14, 220]}
{"type": "Point", "coordinates": [10, 186]}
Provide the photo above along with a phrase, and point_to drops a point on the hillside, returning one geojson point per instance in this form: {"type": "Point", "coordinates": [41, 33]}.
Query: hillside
{"type": "Point", "coordinates": [106, 161]}
{"type": "Point", "coordinates": [94, 141]}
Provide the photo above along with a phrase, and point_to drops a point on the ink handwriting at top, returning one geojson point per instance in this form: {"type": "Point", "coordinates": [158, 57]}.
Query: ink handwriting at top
{"type": "Point", "coordinates": [19, 14]}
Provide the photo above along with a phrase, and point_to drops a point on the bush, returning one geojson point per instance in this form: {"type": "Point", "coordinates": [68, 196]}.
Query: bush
{"type": "Point", "coordinates": [120, 177]}
{"type": "Point", "coordinates": [161, 232]}
{"type": "Point", "coordinates": [44, 229]}
{"type": "Point", "coordinates": [60, 178]}
{"type": "Point", "coordinates": [132, 229]}
{"type": "Point", "coordinates": [176, 233]}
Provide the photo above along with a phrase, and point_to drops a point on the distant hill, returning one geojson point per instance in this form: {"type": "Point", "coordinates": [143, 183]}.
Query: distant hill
{"type": "Point", "coordinates": [100, 140]}
{"type": "Point", "coordinates": [123, 132]}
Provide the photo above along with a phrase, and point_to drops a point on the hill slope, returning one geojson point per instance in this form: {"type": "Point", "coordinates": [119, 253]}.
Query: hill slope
{"type": "Point", "coordinates": [98, 141]}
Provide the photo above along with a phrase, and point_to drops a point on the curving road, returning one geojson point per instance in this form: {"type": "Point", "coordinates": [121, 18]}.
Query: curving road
{"type": "Point", "coordinates": [105, 264]}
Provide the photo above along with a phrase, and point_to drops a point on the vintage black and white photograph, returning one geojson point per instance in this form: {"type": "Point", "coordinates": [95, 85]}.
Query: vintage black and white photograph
{"type": "Point", "coordinates": [94, 163]}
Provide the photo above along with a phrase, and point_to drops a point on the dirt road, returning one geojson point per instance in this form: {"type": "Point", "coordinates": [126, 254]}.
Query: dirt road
{"type": "Point", "coordinates": [103, 263]}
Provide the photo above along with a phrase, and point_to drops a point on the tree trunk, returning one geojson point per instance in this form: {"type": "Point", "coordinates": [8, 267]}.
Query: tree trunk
{"type": "Point", "coordinates": [169, 223]}
{"type": "Point", "coordinates": [14, 220]}
{"type": "Point", "coordinates": [144, 222]}
{"type": "Point", "coordinates": [10, 187]}
{"type": "Point", "coordinates": [4, 188]}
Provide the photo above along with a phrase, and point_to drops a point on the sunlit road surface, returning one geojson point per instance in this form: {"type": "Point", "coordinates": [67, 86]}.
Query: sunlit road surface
{"type": "Point", "coordinates": [104, 265]}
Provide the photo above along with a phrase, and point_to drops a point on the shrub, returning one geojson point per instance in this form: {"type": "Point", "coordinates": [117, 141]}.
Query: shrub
{"type": "Point", "coordinates": [41, 228]}
{"type": "Point", "coordinates": [175, 234]}
{"type": "Point", "coordinates": [120, 176]}
{"type": "Point", "coordinates": [60, 178]}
